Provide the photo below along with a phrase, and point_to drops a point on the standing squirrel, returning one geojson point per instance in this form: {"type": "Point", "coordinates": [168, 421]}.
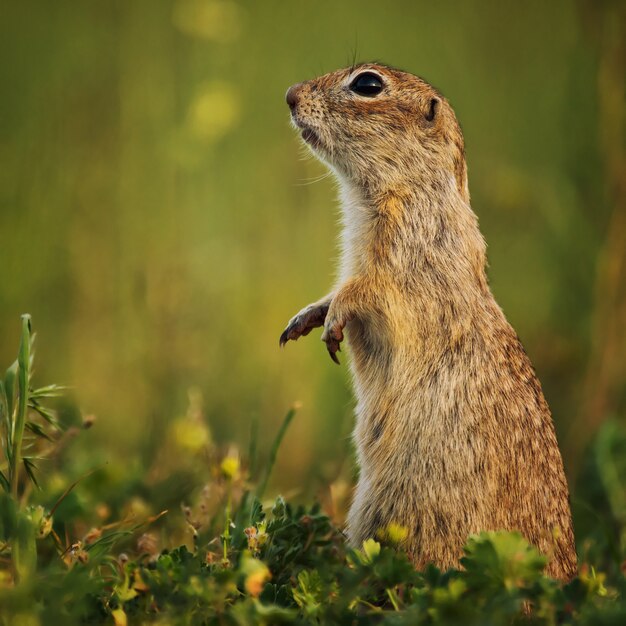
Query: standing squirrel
{"type": "Point", "coordinates": [453, 433]}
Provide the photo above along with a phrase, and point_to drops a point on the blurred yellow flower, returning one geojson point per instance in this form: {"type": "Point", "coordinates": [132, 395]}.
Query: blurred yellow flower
{"type": "Point", "coordinates": [393, 533]}
{"type": "Point", "coordinates": [256, 574]}
{"type": "Point", "coordinates": [218, 20]}
{"type": "Point", "coordinates": [191, 435]}
{"type": "Point", "coordinates": [230, 467]}
{"type": "Point", "coordinates": [137, 508]}
{"type": "Point", "coordinates": [214, 111]}
{"type": "Point", "coordinates": [119, 617]}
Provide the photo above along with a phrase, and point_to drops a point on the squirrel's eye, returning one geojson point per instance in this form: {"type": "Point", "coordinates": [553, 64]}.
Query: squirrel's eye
{"type": "Point", "coordinates": [367, 84]}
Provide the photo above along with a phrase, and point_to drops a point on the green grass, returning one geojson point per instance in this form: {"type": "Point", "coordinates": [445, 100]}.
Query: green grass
{"type": "Point", "coordinates": [97, 548]}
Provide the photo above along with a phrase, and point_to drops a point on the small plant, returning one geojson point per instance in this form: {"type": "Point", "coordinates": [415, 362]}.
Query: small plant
{"type": "Point", "coordinates": [25, 424]}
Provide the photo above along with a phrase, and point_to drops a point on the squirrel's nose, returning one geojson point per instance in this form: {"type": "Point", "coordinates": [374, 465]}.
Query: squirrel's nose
{"type": "Point", "coordinates": [292, 96]}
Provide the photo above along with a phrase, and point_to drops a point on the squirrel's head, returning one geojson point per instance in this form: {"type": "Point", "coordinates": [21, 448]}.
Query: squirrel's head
{"type": "Point", "coordinates": [380, 127]}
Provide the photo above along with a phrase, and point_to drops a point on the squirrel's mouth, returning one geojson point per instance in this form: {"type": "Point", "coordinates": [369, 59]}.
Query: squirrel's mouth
{"type": "Point", "coordinates": [307, 133]}
{"type": "Point", "coordinates": [311, 137]}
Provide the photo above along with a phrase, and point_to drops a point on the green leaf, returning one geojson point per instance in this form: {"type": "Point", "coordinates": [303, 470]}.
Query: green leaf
{"type": "Point", "coordinates": [279, 510]}
{"type": "Point", "coordinates": [371, 549]}
{"type": "Point", "coordinates": [49, 391]}
{"type": "Point", "coordinates": [309, 594]}
{"type": "Point", "coordinates": [502, 560]}
{"type": "Point", "coordinates": [38, 430]}
{"type": "Point", "coordinates": [4, 481]}
{"type": "Point", "coordinates": [30, 468]}
{"type": "Point", "coordinates": [47, 414]}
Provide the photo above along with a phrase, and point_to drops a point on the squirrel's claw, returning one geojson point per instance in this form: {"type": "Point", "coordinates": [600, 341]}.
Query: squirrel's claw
{"type": "Point", "coordinates": [304, 322]}
{"type": "Point", "coordinates": [314, 316]}
{"type": "Point", "coordinates": [333, 336]}
{"type": "Point", "coordinates": [284, 337]}
{"type": "Point", "coordinates": [333, 356]}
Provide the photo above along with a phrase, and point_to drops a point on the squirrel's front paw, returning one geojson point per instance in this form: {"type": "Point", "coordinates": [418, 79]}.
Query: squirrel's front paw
{"type": "Point", "coordinates": [304, 322]}
{"type": "Point", "coordinates": [333, 335]}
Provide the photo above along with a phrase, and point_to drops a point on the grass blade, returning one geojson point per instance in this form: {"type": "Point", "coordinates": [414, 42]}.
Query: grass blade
{"type": "Point", "coordinates": [9, 395]}
{"type": "Point", "coordinates": [252, 450]}
{"type": "Point", "coordinates": [274, 450]}
{"type": "Point", "coordinates": [69, 489]}
{"type": "Point", "coordinates": [23, 374]}
{"type": "Point", "coordinates": [5, 423]}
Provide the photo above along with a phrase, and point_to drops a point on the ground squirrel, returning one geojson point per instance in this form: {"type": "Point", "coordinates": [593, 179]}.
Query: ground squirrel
{"type": "Point", "coordinates": [453, 433]}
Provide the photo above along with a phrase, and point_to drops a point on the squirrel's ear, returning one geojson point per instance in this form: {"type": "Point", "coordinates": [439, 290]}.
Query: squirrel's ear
{"type": "Point", "coordinates": [432, 109]}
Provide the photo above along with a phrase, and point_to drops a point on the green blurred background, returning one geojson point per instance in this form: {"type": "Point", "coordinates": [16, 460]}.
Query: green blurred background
{"type": "Point", "coordinates": [160, 221]}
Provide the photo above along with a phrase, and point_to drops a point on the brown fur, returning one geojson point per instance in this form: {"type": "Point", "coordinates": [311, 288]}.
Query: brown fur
{"type": "Point", "coordinates": [452, 431]}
